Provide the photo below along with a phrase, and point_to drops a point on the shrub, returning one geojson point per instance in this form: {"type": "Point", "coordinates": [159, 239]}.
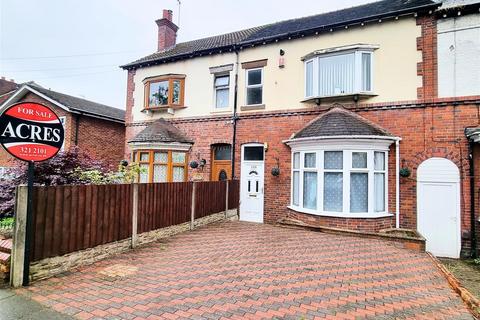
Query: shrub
{"type": "Point", "coordinates": [6, 223]}
{"type": "Point", "coordinates": [65, 168]}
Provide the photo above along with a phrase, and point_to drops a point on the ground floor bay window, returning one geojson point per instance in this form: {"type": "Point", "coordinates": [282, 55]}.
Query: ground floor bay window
{"type": "Point", "coordinates": [340, 178]}
{"type": "Point", "coordinates": [161, 165]}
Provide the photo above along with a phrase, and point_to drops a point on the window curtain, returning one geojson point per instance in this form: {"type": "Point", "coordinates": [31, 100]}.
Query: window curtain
{"type": "Point", "coordinates": [359, 192]}
{"type": "Point", "coordinates": [310, 190]}
{"type": "Point", "coordinates": [336, 74]}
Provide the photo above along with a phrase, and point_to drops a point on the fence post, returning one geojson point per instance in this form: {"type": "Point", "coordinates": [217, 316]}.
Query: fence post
{"type": "Point", "coordinates": [192, 218]}
{"type": "Point", "coordinates": [226, 199]}
{"type": "Point", "coordinates": [19, 237]}
{"type": "Point", "coordinates": [135, 216]}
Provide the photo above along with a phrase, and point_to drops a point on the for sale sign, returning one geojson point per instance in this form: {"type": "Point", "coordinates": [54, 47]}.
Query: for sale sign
{"type": "Point", "coordinates": [31, 132]}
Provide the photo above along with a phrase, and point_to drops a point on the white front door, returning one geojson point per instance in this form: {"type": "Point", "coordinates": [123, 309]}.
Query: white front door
{"type": "Point", "coordinates": [438, 206]}
{"type": "Point", "coordinates": [251, 183]}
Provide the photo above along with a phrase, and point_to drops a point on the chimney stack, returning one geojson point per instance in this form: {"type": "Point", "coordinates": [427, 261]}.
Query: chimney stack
{"type": "Point", "coordinates": [167, 31]}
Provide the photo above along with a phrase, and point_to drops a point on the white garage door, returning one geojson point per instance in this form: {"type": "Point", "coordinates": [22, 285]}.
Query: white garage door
{"type": "Point", "coordinates": [438, 206]}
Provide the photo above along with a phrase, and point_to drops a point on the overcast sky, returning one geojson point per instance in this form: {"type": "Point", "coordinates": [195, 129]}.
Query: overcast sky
{"type": "Point", "coordinates": [76, 46]}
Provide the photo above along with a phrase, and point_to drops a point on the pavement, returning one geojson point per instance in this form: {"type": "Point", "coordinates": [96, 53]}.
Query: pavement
{"type": "Point", "coordinates": [13, 307]}
{"type": "Point", "coordinates": [238, 270]}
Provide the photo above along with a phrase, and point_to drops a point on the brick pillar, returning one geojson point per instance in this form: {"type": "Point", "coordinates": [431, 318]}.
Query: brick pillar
{"type": "Point", "coordinates": [427, 44]}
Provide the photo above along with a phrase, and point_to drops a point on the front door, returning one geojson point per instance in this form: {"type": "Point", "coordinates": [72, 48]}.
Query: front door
{"type": "Point", "coordinates": [221, 162]}
{"type": "Point", "coordinates": [252, 183]}
{"type": "Point", "coordinates": [438, 206]}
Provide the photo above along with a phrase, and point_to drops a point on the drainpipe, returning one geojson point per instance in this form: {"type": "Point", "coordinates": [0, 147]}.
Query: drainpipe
{"type": "Point", "coordinates": [473, 236]}
{"type": "Point", "coordinates": [397, 183]}
{"type": "Point", "coordinates": [235, 118]}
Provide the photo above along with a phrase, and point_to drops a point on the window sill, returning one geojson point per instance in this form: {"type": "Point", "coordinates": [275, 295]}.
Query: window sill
{"type": "Point", "coordinates": [354, 96]}
{"type": "Point", "coordinates": [352, 215]}
{"type": "Point", "coordinates": [253, 107]}
{"type": "Point", "coordinates": [163, 108]}
{"type": "Point", "coordinates": [224, 110]}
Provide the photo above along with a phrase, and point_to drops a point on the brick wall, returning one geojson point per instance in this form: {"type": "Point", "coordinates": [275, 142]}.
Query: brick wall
{"type": "Point", "coordinates": [203, 133]}
{"type": "Point", "coordinates": [427, 131]}
{"type": "Point", "coordinates": [101, 139]}
{"type": "Point", "coordinates": [433, 128]}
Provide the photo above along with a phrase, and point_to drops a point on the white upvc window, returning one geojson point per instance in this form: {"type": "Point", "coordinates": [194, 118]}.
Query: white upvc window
{"type": "Point", "coordinates": [222, 91]}
{"type": "Point", "coordinates": [254, 86]}
{"type": "Point", "coordinates": [340, 182]}
{"type": "Point", "coordinates": [339, 74]}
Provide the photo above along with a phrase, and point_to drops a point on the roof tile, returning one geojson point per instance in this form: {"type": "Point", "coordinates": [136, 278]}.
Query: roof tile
{"type": "Point", "coordinates": [161, 131]}
{"type": "Point", "coordinates": [284, 28]}
{"type": "Point", "coordinates": [340, 122]}
{"type": "Point", "coordinates": [82, 105]}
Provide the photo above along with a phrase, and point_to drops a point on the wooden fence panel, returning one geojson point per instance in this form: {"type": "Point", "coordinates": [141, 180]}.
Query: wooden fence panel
{"type": "Point", "coordinates": [162, 205]}
{"type": "Point", "coordinates": [209, 198]}
{"type": "Point", "coordinates": [233, 194]}
{"type": "Point", "coordinates": [71, 218]}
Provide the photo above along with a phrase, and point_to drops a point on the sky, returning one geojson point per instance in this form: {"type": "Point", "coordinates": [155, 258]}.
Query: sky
{"type": "Point", "coordinates": [76, 46]}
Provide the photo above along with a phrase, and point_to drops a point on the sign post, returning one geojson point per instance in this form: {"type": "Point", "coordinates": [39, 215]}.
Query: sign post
{"type": "Point", "coordinates": [30, 132]}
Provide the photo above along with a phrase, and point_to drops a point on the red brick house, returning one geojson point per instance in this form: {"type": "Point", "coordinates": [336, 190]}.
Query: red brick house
{"type": "Point", "coordinates": [89, 125]}
{"type": "Point", "coordinates": [339, 119]}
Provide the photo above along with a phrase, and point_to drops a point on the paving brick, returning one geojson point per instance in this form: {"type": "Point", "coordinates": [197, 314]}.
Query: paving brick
{"type": "Point", "coordinates": [237, 270]}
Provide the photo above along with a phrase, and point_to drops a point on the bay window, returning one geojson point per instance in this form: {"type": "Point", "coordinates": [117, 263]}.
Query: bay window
{"type": "Point", "coordinates": [346, 182]}
{"type": "Point", "coordinates": [329, 74]}
{"type": "Point", "coordinates": [161, 165]}
{"type": "Point", "coordinates": [165, 91]}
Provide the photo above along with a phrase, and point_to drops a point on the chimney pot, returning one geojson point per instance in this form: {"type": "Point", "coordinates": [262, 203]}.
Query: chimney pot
{"type": "Point", "coordinates": [167, 31]}
{"type": "Point", "coordinates": [167, 14]}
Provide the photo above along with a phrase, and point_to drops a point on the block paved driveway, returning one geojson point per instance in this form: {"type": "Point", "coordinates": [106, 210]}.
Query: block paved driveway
{"type": "Point", "coordinates": [237, 270]}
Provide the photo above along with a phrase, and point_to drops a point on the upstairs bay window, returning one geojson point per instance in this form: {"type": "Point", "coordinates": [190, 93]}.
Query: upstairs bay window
{"type": "Point", "coordinates": [338, 73]}
{"type": "Point", "coordinates": [164, 92]}
{"type": "Point", "coordinates": [340, 183]}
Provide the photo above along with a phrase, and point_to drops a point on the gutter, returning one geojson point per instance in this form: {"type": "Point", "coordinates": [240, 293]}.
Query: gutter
{"type": "Point", "coordinates": [366, 137]}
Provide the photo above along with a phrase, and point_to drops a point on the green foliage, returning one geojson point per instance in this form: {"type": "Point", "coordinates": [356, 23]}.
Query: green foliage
{"type": "Point", "coordinates": [125, 174]}
{"type": "Point", "coordinates": [7, 223]}
{"type": "Point", "coordinates": [477, 261]}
